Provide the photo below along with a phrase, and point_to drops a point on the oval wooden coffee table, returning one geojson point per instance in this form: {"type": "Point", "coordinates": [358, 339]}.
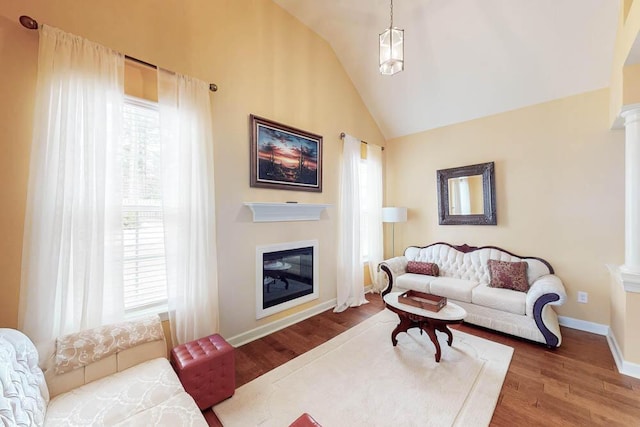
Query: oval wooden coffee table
{"type": "Point", "coordinates": [428, 321]}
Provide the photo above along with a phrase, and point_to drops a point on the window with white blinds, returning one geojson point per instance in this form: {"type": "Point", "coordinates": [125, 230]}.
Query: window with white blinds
{"type": "Point", "coordinates": [144, 269]}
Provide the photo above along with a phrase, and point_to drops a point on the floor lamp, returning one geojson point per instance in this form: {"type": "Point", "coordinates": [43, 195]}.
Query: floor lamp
{"type": "Point", "coordinates": [393, 215]}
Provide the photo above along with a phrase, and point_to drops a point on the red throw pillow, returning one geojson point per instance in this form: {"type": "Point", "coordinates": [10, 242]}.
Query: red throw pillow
{"type": "Point", "coordinates": [428, 268]}
{"type": "Point", "coordinates": [508, 275]}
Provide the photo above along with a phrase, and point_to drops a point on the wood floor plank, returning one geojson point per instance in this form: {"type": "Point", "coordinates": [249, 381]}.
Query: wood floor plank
{"type": "Point", "coordinates": [580, 368]}
{"type": "Point", "coordinates": [521, 395]}
{"type": "Point", "coordinates": [604, 406]}
{"type": "Point", "coordinates": [511, 382]}
{"type": "Point", "coordinates": [514, 411]}
{"type": "Point", "coordinates": [573, 413]}
{"type": "Point", "coordinates": [627, 395]}
{"type": "Point", "coordinates": [563, 375]}
{"type": "Point", "coordinates": [574, 385]}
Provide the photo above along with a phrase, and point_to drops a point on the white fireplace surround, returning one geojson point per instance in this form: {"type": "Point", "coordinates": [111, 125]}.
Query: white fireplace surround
{"type": "Point", "coordinates": [272, 212]}
{"type": "Point", "coordinates": [263, 249]}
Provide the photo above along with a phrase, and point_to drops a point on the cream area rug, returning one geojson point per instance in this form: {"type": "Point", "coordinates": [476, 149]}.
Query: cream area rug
{"type": "Point", "coordinates": [359, 379]}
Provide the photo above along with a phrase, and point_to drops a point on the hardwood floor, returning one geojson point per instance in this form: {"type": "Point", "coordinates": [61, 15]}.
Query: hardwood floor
{"type": "Point", "coordinates": [574, 385]}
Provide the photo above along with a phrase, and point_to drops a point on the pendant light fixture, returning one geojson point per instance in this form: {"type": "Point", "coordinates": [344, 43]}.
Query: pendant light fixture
{"type": "Point", "coordinates": [391, 49]}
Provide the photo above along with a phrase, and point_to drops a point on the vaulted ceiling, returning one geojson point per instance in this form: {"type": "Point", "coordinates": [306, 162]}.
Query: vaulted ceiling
{"type": "Point", "coordinates": [466, 59]}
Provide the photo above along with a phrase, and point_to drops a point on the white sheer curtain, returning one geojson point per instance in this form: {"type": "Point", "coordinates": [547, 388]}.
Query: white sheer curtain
{"type": "Point", "coordinates": [71, 277]}
{"type": "Point", "coordinates": [188, 206]}
{"type": "Point", "coordinates": [374, 210]}
{"type": "Point", "coordinates": [350, 280]}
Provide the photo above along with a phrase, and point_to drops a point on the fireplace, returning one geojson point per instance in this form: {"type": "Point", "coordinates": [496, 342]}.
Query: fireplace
{"type": "Point", "coordinates": [286, 276]}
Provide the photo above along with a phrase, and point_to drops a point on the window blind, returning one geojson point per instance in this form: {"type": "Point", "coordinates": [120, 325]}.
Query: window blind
{"type": "Point", "coordinates": [144, 267]}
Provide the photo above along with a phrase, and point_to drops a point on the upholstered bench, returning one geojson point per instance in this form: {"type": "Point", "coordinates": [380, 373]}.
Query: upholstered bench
{"type": "Point", "coordinates": [206, 368]}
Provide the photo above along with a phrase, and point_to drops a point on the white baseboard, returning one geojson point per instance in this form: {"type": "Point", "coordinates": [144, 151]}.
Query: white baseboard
{"type": "Point", "coordinates": [272, 327]}
{"type": "Point", "coordinates": [583, 325]}
{"type": "Point", "coordinates": [624, 367]}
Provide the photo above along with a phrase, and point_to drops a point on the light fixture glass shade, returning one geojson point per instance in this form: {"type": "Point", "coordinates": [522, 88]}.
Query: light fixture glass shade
{"type": "Point", "coordinates": [394, 214]}
{"type": "Point", "coordinates": [391, 51]}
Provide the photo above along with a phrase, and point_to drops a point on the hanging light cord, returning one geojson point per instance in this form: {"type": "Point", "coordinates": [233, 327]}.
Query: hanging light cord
{"type": "Point", "coordinates": [391, 26]}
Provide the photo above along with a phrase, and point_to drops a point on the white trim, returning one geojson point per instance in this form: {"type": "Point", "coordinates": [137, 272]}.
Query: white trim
{"type": "Point", "coordinates": [275, 326]}
{"type": "Point", "coordinates": [630, 281]}
{"type": "Point", "coordinates": [290, 211]}
{"type": "Point", "coordinates": [632, 287]}
{"type": "Point", "coordinates": [162, 310]}
{"type": "Point", "coordinates": [630, 112]}
{"type": "Point", "coordinates": [619, 121]}
{"type": "Point", "coordinates": [624, 367]}
{"type": "Point", "coordinates": [583, 325]}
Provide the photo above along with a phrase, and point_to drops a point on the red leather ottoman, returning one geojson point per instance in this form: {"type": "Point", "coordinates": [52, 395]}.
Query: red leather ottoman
{"type": "Point", "coordinates": [305, 420]}
{"type": "Point", "coordinates": [206, 368]}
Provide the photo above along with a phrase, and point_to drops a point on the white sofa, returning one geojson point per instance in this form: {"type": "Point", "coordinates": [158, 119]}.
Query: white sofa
{"type": "Point", "coordinates": [116, 375]}
{"type": "Point", "coordinates": [464, 279]}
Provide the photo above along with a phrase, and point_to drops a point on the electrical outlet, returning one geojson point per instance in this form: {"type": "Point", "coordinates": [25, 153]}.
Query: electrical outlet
{"type": "Point", "coordinates": [583, 297]}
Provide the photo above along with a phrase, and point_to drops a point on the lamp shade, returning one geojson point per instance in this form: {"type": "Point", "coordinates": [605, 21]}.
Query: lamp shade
{"type": "Point", "coordinates": [394, 214]}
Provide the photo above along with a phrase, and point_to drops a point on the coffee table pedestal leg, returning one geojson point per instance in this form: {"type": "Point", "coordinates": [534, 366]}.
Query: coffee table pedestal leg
{"type": "Point", "coordinates": [434, 338]}
{"type": "Point", "coordinates": [403, 326]}
{"type": "Point", "coordinates": [430, 326]}
{"type": "Point", "coordinates": [443, 328]}
{"type": "Point", "coordinates": [425, 320]}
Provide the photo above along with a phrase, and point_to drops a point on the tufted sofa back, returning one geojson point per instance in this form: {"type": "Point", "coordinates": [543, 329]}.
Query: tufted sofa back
{"type": "Point", "coordinates": [471, 265]}
{"type": "Point", "coordinates": [23, 389]}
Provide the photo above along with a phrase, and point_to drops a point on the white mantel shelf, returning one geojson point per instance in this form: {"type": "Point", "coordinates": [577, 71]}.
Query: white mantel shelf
{"type": "Point", "coordinates": [273, 212]}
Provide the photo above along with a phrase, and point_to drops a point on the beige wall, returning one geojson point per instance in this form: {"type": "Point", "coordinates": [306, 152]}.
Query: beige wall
{"type": "Point", "coordinates": [18, 60]}
{"type": "Point", "coordinates": [559, 183]}
{"type": "Point", "coordinates": [625, 318]}
{"type": "Point", "coordinates": [624, 78]}
{"type": "Point", "coordinates": [618, 312]}
{"type": "Point", "coordinates": [264, 62]}
{"type": "Point", "coordinates": [631, 88]}
{"type": "Point", "coordinates": [632, 341]}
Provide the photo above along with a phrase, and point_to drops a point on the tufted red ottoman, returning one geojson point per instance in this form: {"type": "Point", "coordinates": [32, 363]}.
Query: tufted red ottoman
{"type": "Point", "coordinates": [305, 420]}
{"type": "Point", "coordinates": [206, 368]}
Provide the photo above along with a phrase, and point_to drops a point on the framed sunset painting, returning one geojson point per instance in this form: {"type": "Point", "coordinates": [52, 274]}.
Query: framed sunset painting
{"type": "Point", "coordinates": [284, 158]}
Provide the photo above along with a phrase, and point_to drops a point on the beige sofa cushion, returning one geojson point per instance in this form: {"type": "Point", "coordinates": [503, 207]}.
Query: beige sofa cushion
{"type": "Point", "coordinates": [457, 289]}
{"type": "Point", "coordinates": [499, 298]}
{"type": "Point", "coordinates": [171, 412]}
{"type": "Point", "coordinates": [414, 282]}
{"type": "Point", "coordinates": [151, 387]}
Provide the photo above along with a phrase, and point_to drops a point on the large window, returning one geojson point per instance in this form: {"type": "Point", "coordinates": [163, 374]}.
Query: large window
{"type": "Point", "coordinates": [144, 269]}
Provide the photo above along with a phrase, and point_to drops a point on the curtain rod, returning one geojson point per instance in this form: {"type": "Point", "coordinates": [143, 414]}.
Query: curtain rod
{"type": "Point", "coordinates": [342, 135]}
{"type": "Point", "coordinates": [31, 24]}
